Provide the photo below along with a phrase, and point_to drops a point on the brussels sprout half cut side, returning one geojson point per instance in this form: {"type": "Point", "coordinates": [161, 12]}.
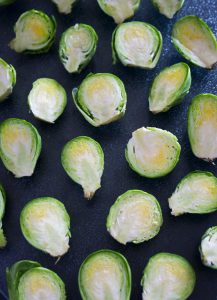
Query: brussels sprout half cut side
{"type": "Point", "coordinates": [47, 99]}
{"type": "Point", "coordinates": [196, 194]}
{"type": "Point", "coordinates": [28, 280]}
{"type": "Point", "coordinates": [119, 10]}
{"type": "Point", "coordinates": [202, 126]}
{"type": "Point", "coordinates": [137, 44]}
{"type": "Point", "coordinates": [168, 276]}
{"type": "Point", "coordinates": [194, 40]}
{"type": "Point", "coordinates": [7, 79]}
{"type": "Point", "coordinates": [20, 146]}
{"type": "Point", "coordinates": [169, 87]}
{"type": "Point", "coordinates": [136, 217]}
{"type": "Point", "coordinates": [168, 8]}
{"type": "Point", "coordinates": [208, 248]}
{"type": "Point", "coordinates": [45, 224]}
{"type": "Point", "coordinates": [152, 152]}
{"type": "Point", "coordinates": [77, 47]}
{"type": "Point", "coordinates": [3, 240]}
{"type": "Point", "coordinates": [64, 6]}
{"type": "Point", "coordinates": [6, 2]}
{"type": "Point", "coordinates": [103, 275]}
{"type": "Point", "coordinates": [35, 32]}
{"type": "Point", "coordinates": [101, 98]}
{"type": "Point", "coordinates": [83, 160]}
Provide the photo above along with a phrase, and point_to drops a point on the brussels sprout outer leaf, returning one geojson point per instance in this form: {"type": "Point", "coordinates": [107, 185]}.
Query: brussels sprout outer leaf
{"type": "Point", "coordinates": [168, 8]}
{"type": "Point", "coordinates": [3, 240]}
{"type": "Point", "coordinates": [14, 273]}
{"type": "Point", "coordinates": [6, 2]}
{"type": "Point", "coordinates": [162, 95]}
{"type": "Point", "coordinates": [102, 282]}
{"type": "Point", "coordinates": [208, 248]}
{"type": "Point", "coordinates": [143, 221]}
{"type": "Point", "coordinates": [8, 79]}
{"type": "Point", "coordinates": [200, 52]}
{"type": "Point", "coordinates": [196, 193]}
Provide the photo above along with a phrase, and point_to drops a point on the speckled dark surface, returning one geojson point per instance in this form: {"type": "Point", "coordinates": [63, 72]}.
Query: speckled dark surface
{"type": "Point", "coordinates": [179, 235]}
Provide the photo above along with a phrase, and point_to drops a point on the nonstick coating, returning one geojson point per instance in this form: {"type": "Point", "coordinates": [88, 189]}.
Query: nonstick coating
{"type": "Point", "coordinates": [179, 235]}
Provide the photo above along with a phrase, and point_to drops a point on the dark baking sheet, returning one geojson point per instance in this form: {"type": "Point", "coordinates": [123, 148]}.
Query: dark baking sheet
{"type": "Point", "coordinates": [179, 235]}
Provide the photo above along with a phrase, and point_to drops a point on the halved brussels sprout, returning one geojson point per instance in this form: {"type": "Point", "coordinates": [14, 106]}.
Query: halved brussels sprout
{"type": "Point", "coordinates": [208, 248]}
{"type": "Point", "coordinates": [64, 6]}
{"type": "Point", "coordinates": [135, 217]}
{"type": "Point", "coordinates": [83, 160]}
{"type": "Point", "coordinates": [194, 40]}
{"type": "Point", "coordinates": [168, 276]}
{"type": "Point", "coordinates": [119, 10]}
{"type": "Point", "coordinates": [196, 194]}
{"type": "Point", "coordinates": [47, 99]}
{"type": "Point", "coordinates": [152, 152]}
{"type": "Point", "coordinates": [202, 126]}
{"type": "Point", "coordinates": [27, 280]}
{"type": "Point", "coordinates": [3, 240]}
{"type": "Point", "coordinates": [20, 146]}
{"type": "Point", "coordinates": [35, 32]}
{"type": "Point", "coordinates": [101, 98]}
{"type": "Point", "coordinates": [77, 47]}
{"type": "Point", "coordinates": [6, 2]}
{"type": "Point", "coordinates": [103, 275]}
{"type": "Point", "coordinates": [169, 87]}
{"type": "Point", "coordinates": [168, 8]}
{"type": "Point", "coordinates": [45, 224]}
{"type": "Point", "coordinates": [137, 44]}
{"type": "Point", "coordinates": [7, 79]}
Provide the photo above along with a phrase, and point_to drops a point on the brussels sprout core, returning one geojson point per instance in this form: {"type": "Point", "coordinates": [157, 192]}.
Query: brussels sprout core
{"type": "Point", "coordinates": [193, 39]}
{"type": "Point", "coordinates": [27, 280]}
{"type": "Point", "coordinates": [137, 44]}
{"type": "Point", "coordinates": [105, 274]}
{"type": "Point", "coordinates": [35, 32]}
{"type": "Point", "coordinates": [169, 87]}
{"type": "Point", "coordinates": [135, 217]}
{"type": "Point", "coordinates": [152, 152]}
{"type": "Point", "coordinates": [196, 194]}
{"type": "Point", "coordinates": [64, 6]}
{"type": "Point", "coordinates": [208, 248]}
{"type": "Point", "coordinates": [202, 126]}
{"type": "Point", "coordinates": [119, 10]}
{"type": "Point", "coordinates": [167, 276]}
{"type": "Point", "coordinates": [3, 241]}
{"type": "Point", "coordinates": [47, 99]}
{"type": "Point", "coordinates": [77, 47]}
{"type": "Point", "coordinates": [83, 160]}
{"type": "Point", "coordinates": [20, 146]}
{"type": "Point", "coordinates": [45, 224]}
{"type": "Point", "coordinates": [168, 8]}
{"type": "Point", "coordinates": [7, 79]}
{"type": "Point", "coordinates": [101, 98]}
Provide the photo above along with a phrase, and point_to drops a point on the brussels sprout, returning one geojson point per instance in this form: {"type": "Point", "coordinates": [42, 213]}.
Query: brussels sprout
{"type": "Point", "coordinates": [135, 217]}
{"type": "Point", "coordinates": [6, 2]}
{"type": "Point", "coordinates": [3, 241]}
{"type": "Point", "coordinates": [35, 32]}
{"type": "Point", "coordinates": [137, 44]}
{"type": "Point", "coordinates": [105, 274]}
{"type": "Point", "coordinates": [196, 194]}
{"type": "Point", "coordinates": [45, 224]}
{"type": "Point", "coordinates": [152, 152]}
{"type": "Point", "coordinates": [83, 160]}
{"type": "Point", "coordinates": [7, 79]}
{"type": "Point", "coordinates": [47, 99]}
{"type": "Point", "coordinates": [208, 248]}
{"type": "Point", "coordinates": [77, 47]}
{"type": "Point", "coordinates": [27, 280]}
{"type": "Point", "coordinates": [202, 126]}
{"type": "Point", "coordinates": [168, 276]}
{"type": "Point", "coordinates": [101, 98]}
{"type": "Point", "coordinates": [169, 87]}
{"type": "Point", "coordinates": [119, 10]}
{"type": "Point", "coordinates": [168, 8]}
{"type": "Point", "coordinates": [194, 40]}
{"type": "Point", "coordinates": [64, 6]}
{"type": "Point", "coordinates": [20, 146]}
